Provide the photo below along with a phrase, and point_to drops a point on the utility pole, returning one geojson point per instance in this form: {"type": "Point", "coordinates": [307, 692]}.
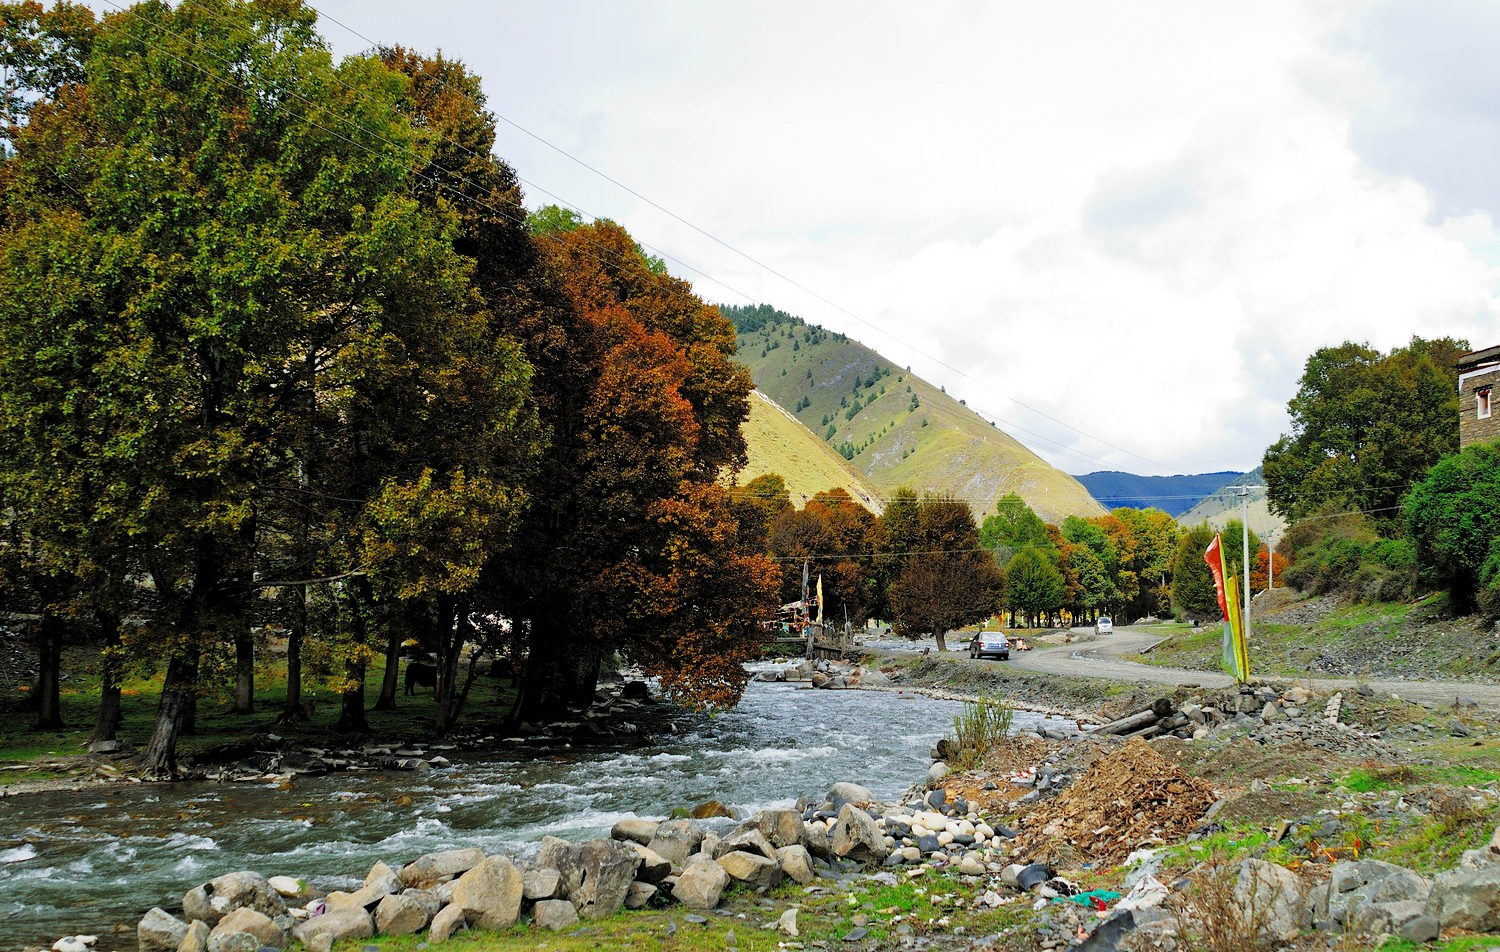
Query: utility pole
{"type": "Point", "coordinates": [1245, 540]}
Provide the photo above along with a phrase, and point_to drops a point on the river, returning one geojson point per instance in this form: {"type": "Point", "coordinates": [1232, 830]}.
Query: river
{"type": "Point", "coordinates": [93, 860]}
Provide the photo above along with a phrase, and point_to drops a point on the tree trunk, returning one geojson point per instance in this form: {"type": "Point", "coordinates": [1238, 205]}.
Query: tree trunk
{"type": "Point", "coordinates": [159, 762]}
{"type": "Point", "coordinates": [244, 671]}
{"type": "Point", "coordinates": [352, 703]}
{"type": "Point", "coordinates": [448, 636]}
{"type": "Point", "coordinates": [942, 639]}
{"type": "Point", "coordinates": [392, 679]}
{"type": "Point", "coordinates": [537, 695]}
{"type": "Point", "coordinates": [107, 723]}
{"type": "Point", "coordinates": [292, 712]}
{"type": "Point", "coordinates": [49, 643]}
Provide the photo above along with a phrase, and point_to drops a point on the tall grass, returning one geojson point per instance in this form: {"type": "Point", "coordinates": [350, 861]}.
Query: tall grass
{"type": "Point", "coordinates": [980, 727]}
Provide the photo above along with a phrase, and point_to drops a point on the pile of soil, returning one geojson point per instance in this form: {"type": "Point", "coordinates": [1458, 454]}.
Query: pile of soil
{"type": "Point", "coordinates": [1129, 797]}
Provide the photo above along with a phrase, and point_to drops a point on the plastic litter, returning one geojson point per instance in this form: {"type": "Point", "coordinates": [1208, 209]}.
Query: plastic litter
{"type": "Point", "coordinates": [1094, 898]}
{"type": "Point", "coordinates": [1146, 893]}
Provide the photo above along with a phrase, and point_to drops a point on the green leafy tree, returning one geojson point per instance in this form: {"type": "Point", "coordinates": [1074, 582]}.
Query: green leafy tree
{"type": "Point", "coordinates": [1365, 426]}
{"type": "Point", "coordinates": [1194, 594]}
{"type": "Point", "coordinates": [1013, 525]}
{"type": "Point", "coordinates": [1453, 516]}
{"type": "Point", "coordinates": [1035, 586]}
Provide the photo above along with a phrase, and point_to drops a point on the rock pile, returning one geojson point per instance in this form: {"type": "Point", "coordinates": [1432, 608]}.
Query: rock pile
{"type": "Point", "coordinates": [834, 675]}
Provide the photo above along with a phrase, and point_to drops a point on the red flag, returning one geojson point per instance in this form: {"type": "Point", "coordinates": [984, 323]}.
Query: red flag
{"type": "Point", "coordinates": [1215, 559]}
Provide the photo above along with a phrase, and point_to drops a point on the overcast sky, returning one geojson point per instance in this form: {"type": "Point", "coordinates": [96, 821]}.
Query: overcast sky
{"type": "Point", "coordinates": [1118, 229]}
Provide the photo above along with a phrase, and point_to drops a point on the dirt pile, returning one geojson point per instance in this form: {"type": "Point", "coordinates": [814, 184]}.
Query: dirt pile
{"type": "Point", "coordinates": [1129, 797]}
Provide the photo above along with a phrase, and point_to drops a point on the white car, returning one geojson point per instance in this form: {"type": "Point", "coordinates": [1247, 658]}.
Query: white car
{"type": "Point", "coordinates": [1104, 625]}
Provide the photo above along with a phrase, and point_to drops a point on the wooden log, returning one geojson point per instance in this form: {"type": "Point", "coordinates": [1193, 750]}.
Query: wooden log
{"type": "Point", "coordinates": [1130, 722]}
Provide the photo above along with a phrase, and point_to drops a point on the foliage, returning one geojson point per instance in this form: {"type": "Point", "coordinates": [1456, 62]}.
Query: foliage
{"type": "Point", "coordinates": [1365, 425]}
{"type": "Point", "coordinates": [835, 536]}
{"type": "Point", "coordinates": [1014, 525]}
{"type": "Point", "coordinates": [982, 725]}
{"type": "Point", "coordinates": [942, 578]}
{"type": "Point", "coordinates": [1453, 516]}
{"type": "Point", "coordinates": [1194, 595]}
{"type": "Point", "coordinates": [1035, 585]}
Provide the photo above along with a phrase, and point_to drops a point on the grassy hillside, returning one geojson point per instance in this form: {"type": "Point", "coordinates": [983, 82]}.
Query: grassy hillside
{"type": "Point", "coordinates": [894, 427]}
{"type": "Point", "coordinates": [1224, 505]}
{"type": "Point", "coordinates": [778, 443]}
{"type": "Point", "coordinates": [1173, 495]}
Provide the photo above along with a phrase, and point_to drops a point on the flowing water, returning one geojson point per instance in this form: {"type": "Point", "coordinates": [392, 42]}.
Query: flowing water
{"type": "Point", "coordinates": [97, 858]}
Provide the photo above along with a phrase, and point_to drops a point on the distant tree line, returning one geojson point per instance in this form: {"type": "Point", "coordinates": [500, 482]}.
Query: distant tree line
{"type": "Point", "coordinates": [280, 350]}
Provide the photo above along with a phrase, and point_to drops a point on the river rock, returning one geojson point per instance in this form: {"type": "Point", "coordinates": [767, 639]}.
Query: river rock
{"type": "Point", "coordinates": [844, 792]}
{"type": "Point", "coordinates": [290, 887]}
{"type": "Point", "coordinates": [701, 884]}
{"type": "Point", "coordinates": [401, 915]}
{"type": "Point", "coordinates": [490, 894]}
{"type": "Point", "coordinates": [1277, 892]}
{"type": "Point", "coordinates": [857, 837]}
{"type": "Point", "coordinates": [248, 921]}
{"type": "Point", "coordinates": [594, 875]}
{"type": "Point", "coordinates": [233, 942]}
{"type": "Point", "coordinates": [450, 920]}
{"type": "Point", "coordinates": [780, 827]}
{"type": "Point", "coordinates": [540, 883]}
{"type": "Point", "coordinates": [639, 895]}
{"type": "Point", "coordinates": [796, 862]}
{"type": "Point", "coordinates": [816, 841]}
{"type": "Point", "coordinates": [1353, 885]}
{"type": "Point", "coordinates": [218, 897]}
{"type": "Point", "coordinates": [196, 938]}
{"type": "Point", "coordinates": [1467, 899]}
{"type": "Point", "coordinates": [746, 841]}
{"type": "Point", "coordinates": [427, 871]}
{"type": "Point", "coordinates": [335, 926]}
{"type": "Point", "coordinates": [160, 931]}
{"type": "Point", "coordinates": [754, 869]}
{"type": "Point", "coordinates": [676, 840]}
{"type": "Point", "coordinates": [653, 868]}
{"type": "Point", "coordinates": [554, 914]}
{"type": "Point", "coordinates": [937, 772]}
{"type": "Point", "coordinates": [635, 830]}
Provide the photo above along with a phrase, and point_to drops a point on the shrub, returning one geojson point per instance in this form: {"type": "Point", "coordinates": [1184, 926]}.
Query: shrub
{"type": "Point", "coordinates": [979, 728]}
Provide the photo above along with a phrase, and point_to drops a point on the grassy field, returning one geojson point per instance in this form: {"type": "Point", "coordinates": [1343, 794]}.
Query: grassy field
{"type": "Point", "coordinates": [777, 443]}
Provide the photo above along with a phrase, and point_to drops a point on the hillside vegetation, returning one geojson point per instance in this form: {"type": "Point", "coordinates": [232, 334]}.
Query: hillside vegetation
{"type": "Point", "coordinates": [894, 427]}
{"type": "Point", "coordinates": [1220, 507]}
{"type": "Point", "coordinates": [778, 443]}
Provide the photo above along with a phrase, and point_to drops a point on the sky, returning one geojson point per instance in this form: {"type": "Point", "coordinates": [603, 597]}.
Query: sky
{"type": "Point", "coordinates": [1117, 229]}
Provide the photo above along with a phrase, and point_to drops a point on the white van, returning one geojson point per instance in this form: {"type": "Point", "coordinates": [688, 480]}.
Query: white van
{"type": "Point", "coordinates": [1104, 625]}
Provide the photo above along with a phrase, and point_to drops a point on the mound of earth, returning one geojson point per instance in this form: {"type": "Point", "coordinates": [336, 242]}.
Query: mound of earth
{"type": "Point", "coordinates": [1130, 797]}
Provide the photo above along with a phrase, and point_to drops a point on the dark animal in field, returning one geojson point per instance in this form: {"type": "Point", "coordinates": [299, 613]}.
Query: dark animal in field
{"type": "Point", "coordinates": [420, 675]}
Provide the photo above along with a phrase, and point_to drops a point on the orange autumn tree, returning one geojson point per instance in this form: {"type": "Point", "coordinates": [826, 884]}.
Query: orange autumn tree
{"type": "Point", "coordinates": [629, 546]}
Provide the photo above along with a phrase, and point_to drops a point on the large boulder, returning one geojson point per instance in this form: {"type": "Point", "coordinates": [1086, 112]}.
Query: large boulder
{"type": "Point", "coordinates": [1467, 899]}
{"type": "Point", "coordinates": [1273, 894]}
{"type": "Point", "coordinates": [701, 884]}
{"type": "Point", "coordinates": [348, 923]}
{"type": "Point", "coordinates": [490, 894]}
{"type": "Point", "coordinates": [401, 915]}
{"type": "Point", "coordinates": [635, 830]}
{"type": "Point", "coordinates": [841, 793]}
{"type": "Point", "coordinates": [160, 931]}
{"type": "Point", "coordinates": [752, 868]}
{"type": "Point", "coordinates": [1352, 886]}
{"type": "Point", "coordinates": [448, 921]}
{"type": "Point", "coordinates": [640, 895]}
{"type": "Point", "coordinates": [427, 871]}
{"type": "Point", "coordinates": [554, 914]}
{"type": "Point", "coordinates": [195, 939]}
{"type": "Point", "coordinates": [653, 868]}
{"type": "Point", "coordinates": [857, 837]}
{"type": "Point", "coordinates": [676, 840]}
{"type": "Point", "coordinates": [603, 871]}
{"type": "Point", "coordinates": [747, 841]}
{"type": "Point", "coordinates": [780, 827]}
{"type": "Point", "coordinates": [257, 924]}
{"type": "Point", "coordinates": [796, 862]}
{"type": "Point", "coordinates": [218, 897]}
{"type": "Point", "coordinates": [538, 884]}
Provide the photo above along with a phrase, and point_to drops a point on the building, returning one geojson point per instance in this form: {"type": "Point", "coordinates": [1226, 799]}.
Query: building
{"type": "Point", "coordinates": [1478, 419]}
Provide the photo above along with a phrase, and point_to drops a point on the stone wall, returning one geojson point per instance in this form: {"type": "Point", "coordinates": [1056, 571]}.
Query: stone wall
{"type": "Point", "coordinates": [1471, 429]}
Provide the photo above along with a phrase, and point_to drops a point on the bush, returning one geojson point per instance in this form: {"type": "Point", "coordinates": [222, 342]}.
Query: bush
{"type": "Point", "coordinates": [979, 728]}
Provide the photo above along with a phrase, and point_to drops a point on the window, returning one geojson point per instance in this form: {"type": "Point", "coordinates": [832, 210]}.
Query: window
{"type": "Point", "coordinates": [1482, 398]}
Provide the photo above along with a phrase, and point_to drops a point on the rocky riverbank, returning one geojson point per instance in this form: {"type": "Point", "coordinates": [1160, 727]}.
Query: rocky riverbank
{"type": "Point", "coordinates": [1079, 839]}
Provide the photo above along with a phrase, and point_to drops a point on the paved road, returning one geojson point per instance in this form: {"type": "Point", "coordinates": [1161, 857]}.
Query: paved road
{"type": "Point", "coordinates": [1101, 658]}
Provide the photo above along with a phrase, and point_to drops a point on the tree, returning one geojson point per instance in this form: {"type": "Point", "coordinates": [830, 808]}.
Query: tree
{"type": "Point", "coordinates": [946, 580]}
{"type": "Point", "coordinates": [1365, 426]}
{"type": "Point", "coordinates": [1453, 516]}
{"type": "Point", "coordinates": [252, 289]}
{"type": "Point", "coordinates": [1013, 525]}
{"type": "Point", "coordinates": [1194, 594]}
{"type": "Point", "coordinates": [833, 534]}
{"type": "Point", "coordinates": [1034, 585]}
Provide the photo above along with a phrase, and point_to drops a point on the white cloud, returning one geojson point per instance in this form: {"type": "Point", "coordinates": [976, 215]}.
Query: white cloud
{"type": "Point", "coordinates": [1140, 219]}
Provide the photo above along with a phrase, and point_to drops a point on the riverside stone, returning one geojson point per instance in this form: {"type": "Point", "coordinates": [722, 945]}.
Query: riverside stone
{"type": "Point", "coordinates": [401, 915]}
{"type": "Point", "coordinates": [747, 841]}
{"type": "Point", "coordinates": [490, 894]}
{"type": "Point", "coordinates": [639, 895]}
{"type": "Point", "coordinates": [449, 920]}
{"type": "Point", "coordinates": [160, 931]}
{"type": "Point", "coordinates": [796, 862]}
{"type": "Point", "coordinates": [427, 871]}
{"type": "Point", "coordinates": [335, 926]}
{"type": "Point", "coordinates": [540, 883]}
{"type": "Point", "coordinates": [218, 897]}
{"type": "Point", "coordinates": [845, 792]}
{"type": "Point", "coordinates": [554, 914]}
{"type": "Point", "coordinates": [701, 884]}
{"type": "Point", "coordinates": [233, 942]}
{"type": "Point", "coordinates": [857, 837]}
{"type": "Point", "coordinates": [251, 922]}
{"type": "Point", "coordinates": [1467, 899]}
{"type": "Point", "coordinates": [195, 939]}
{"type": "Point", "coordinates": [653, 868]}
{"type": "Point", "coordinates": [1276, 892]}
{"type": "Point", "coordinates": [780, 827]}
{"type": "Point", "coordinates": [754, 869]}
{"type": "Point", "coordinates": [676, 840]}
{"type": "Point", "coordinates": [634, 830]}
{"type": "Point", "coordinates": [609, 868]}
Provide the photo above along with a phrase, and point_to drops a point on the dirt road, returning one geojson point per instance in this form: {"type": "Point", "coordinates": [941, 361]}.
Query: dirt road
{"type": "Point", "coordinates": [1102, 658]}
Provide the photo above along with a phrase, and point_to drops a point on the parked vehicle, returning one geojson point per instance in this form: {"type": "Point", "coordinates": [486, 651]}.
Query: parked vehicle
{"type": "Point", "coordinates": [1104, 625]}
{"type": "Point", "coordinates": [990, 644]}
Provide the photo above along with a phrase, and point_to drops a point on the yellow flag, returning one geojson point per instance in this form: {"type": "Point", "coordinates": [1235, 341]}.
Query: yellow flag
{"type": "Point", "coordinates": [820, 598]}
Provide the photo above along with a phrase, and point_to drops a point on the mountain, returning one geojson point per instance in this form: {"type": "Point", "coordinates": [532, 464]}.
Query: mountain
{"type": "Point", "coordinates": [1225, 504]}
{"type": "Point", "coordinates": [895, 428]}
{"type": "Point", "coordinates": [778, 443]}
{"type": "Point", "coordinates": [1173, 495]}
